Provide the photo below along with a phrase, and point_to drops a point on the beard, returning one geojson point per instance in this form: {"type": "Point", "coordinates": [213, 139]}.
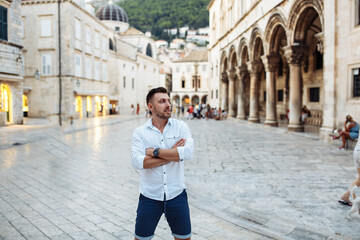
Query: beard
{"type": "Point", "coordinates": [165, 114]}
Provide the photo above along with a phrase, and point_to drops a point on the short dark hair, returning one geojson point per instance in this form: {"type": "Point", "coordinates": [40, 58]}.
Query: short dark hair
{"type": "Point", "coordinates": [152, 93]}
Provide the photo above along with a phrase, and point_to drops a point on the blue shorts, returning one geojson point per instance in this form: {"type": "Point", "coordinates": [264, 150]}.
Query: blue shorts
{"type": "Point", "coordinates": [354, 135]}
{"type": "Point", "coordinates": [176, 211]}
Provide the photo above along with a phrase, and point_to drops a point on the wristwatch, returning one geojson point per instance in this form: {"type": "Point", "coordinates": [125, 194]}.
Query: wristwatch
{"type": "Point", "coordinates": [156, 152]}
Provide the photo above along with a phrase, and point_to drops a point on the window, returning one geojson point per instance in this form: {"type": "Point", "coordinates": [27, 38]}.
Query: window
{"type": "Point", "coordinates": [149, 50]}
{"type": "Point", "coordinates": [117, 29]}
{"type": "Point", "coordinates": [357, 13]}
{"type": "Point", "coordinates": [104, 72]}
{"type": "Point", "coordinates": [204, 68]}
{"type": "Point", "coordinates": [3, 23]}
{"type": "Point", "coordinates": [183, 82]}
{"type": "Point", "coordinates": [356, 77]}
{"type": "Point", "coordinates": [104, 44]}
{"type": "Point", "coordinates": [132, 83]}
{"type": "Point", "coordinates": [314, 94]}
{"type": "Point", "coordinates": [111, 44]}
{"type": "Point", "coordinates": [77, 29]}
{"type": "Point", "coordinates": [22, 30]}
{"type": "Point", "coordinates": [97, 70]}
{"type": "Point", "coordinates": [78, 67]}
{"type": "Point", "coordinates": [217, 93]}
{"type": "Point", "coordinates": [280, 96]}
{"type": "Point", "coordinates": [88, 35]}
{"type": "Point", "coordinates": [46, 64]}
{"type": "Point", "coordinates": [124, 82]}
{"type": "Point", "coordinates": [212, 94]}
{"type": "Point", "coordinates": [45, 27]}
{"type": "Point", "coordinates": [97, 40]}
{"type": "Point", "coordinates": [88, 68]}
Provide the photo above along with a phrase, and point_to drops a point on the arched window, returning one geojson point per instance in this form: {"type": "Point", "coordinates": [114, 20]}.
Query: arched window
{"type": "Point", "coordinates": [183, 82]}
{"type": "Point", "coordinates": [223, 17]}
{"type": "Point", "coordinates": [214, 28]}
{"type": "Point", "coordinates": [149, 50]}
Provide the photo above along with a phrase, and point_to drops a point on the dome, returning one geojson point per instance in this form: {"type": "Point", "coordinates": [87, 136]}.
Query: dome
{"type": "Point", "coordinates": [112, 12]}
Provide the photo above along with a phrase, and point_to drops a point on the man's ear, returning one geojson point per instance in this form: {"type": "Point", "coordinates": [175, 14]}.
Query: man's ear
{"type": "Point", "coordinates": [149, 105]}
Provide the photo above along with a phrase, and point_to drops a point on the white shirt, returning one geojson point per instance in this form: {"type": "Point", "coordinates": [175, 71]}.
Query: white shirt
{"type": "Point", "coordinates": [167, 179]}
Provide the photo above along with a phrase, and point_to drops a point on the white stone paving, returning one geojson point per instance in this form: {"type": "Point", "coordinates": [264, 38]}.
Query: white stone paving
{"type": "Point", "coordinates": [246, 181]}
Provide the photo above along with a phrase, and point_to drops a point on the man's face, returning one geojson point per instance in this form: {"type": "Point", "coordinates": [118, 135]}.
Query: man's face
{"type": "Point", "coordinates": [160, 106]}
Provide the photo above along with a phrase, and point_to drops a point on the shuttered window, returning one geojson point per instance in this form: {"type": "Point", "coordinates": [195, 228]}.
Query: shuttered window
{"type": "Point", "coordinates": [46, 64]}
{"type": "Point", "coordinates": [3, 24]}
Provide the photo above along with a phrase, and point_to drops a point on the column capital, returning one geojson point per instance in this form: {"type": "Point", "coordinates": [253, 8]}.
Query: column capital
{"type": "Point", "coordinates": [320, 42]}
{"type": "Point", "coordinates": [242, 71]}
{"type": "Point", "coordinates": [271, 62]}
{"type": "Point", "coordinates": [224, 77]}
{"type": "Point", "coordinates": [231, 74]}
{"type": "Point", "coordinates": [255, 67]}
{"type": "Point", "coordinates": [295, 54]}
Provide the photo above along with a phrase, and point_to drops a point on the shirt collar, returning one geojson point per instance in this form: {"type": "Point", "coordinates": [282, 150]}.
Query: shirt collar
{"type": "Point", "coordinates": [150, 124]}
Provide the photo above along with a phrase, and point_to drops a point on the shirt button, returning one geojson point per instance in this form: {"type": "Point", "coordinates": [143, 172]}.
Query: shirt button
{"type": "Point", "coordinates": [164, 172]}
{"type": "Point", "coordinates": [164, 183]}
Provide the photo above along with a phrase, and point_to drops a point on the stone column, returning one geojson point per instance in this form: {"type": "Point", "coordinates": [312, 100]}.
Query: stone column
{"type": "Point", "coordinates": [271, 63]}
{"type": "Point", "coordinates": [255, 74]}
{"type": "Point", "coordinates": [232, 99]}
{"type": "Point", "coordinates": [242, 73]}
{"type": "Point", "coordinates": [295, 55]}
{"type": "Point", "coordinates": [224, 92]}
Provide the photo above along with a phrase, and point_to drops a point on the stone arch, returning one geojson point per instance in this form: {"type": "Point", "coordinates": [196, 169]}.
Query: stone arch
{"type": "Point", "coordinates": [204, 99]}
{"type": "Point", "coordinates": [232, 58]}
{"type": "Point", "coordinates": [195, 100]}
{"type": "Point", "coordinates": [185, 101]}
{"type": "Point", "coordinates": [256, 44]}
{"type": "Point", "coordinates": [243, 52]}
{"type": "Point", "coordinates": [301, 15]}
{"type": "Point", "coordinates": [276, 22]}
{"type": "Point", "coordinates": [176, 99]}
{"type": "Point", "coordinates": [223, 62]}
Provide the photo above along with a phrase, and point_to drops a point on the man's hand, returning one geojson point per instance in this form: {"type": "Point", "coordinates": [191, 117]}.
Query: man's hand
{"type": "Point", "coordinates": [149, 152]}
{"type": "Point", "coordinates": [180, 143]}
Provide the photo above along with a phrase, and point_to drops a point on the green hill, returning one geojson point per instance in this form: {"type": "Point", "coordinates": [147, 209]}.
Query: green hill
{"type": "Point", "coordinates": [156, 15]}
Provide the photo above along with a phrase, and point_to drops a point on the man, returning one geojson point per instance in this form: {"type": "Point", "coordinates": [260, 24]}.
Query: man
{"type": "Point", "coordinates": [159, 149]}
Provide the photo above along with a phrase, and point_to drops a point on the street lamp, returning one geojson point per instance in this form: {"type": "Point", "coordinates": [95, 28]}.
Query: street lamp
{"type": "Point", "coordinates": [37, 74]}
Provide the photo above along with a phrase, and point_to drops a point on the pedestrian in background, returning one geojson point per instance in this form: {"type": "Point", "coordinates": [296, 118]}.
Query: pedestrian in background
{"type": "Point", "coordinates": [159, 149]}
{"type": "Point", "coordinates": [345, 199]}
{"type": "Point", "coordinates": [132, 109]}
{"type": "Point", "coordinates": [137, 109]}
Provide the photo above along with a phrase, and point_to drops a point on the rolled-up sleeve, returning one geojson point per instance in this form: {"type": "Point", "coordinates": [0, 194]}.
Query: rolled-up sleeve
{"type": "Point", "coordinates": [186, 152]}
{"type": "Point", "coordinates": [137, 150]}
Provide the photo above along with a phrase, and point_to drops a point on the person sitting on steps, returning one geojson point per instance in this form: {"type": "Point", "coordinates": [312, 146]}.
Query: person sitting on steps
{"type": "Point", "coordinates": [351, 131]}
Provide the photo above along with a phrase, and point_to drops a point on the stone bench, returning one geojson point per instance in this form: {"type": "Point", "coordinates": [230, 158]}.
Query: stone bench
{"type": "Point", "coordinates": [315, 119]}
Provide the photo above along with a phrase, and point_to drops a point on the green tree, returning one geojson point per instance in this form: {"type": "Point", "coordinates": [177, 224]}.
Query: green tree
{"type": "Point", "coordinates": [158, 15]}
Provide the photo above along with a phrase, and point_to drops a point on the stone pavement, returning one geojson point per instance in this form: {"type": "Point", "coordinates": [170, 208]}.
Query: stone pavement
{"type": "Point", "coordinates": [246, 181]}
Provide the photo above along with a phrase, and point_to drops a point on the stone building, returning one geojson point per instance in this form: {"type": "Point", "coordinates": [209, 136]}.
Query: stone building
{"type": "Point", "coordinates": [267, 57]}
{"type": "Point", "coordinates": [190, 79]}
{"type": "Point", "coordinates": [11, 68]}
{"type": "Point", "coordinates": [90, 64]}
